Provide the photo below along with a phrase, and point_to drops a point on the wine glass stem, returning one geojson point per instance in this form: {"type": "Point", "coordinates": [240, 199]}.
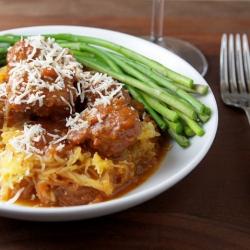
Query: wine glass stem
{"type": "Point", "coordinates": [157, 22]}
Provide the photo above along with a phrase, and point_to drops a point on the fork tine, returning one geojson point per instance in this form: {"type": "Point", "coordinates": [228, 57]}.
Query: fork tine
{"type": "Point", "coordinates": [246, 57]}
{"type": "Point", "coordinates": [230, 93]}
{"type": "Point", "coordinates": [223, 65]}
{"type": "Point", "coordinates": [239, 65]}
{"type": "Point", "coordinates": [231, 60]}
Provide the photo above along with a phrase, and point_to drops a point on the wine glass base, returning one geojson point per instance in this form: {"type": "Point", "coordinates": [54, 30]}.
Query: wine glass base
{"type": "Point", "coordinates": [185, 50]}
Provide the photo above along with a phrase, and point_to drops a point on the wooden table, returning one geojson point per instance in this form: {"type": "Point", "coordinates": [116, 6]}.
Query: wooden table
{"type": "Point", "coordinates": [210, 208]}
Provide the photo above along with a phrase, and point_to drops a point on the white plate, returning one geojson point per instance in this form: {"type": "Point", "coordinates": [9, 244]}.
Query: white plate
{"type": "Point", "coordinates": [178, 163]}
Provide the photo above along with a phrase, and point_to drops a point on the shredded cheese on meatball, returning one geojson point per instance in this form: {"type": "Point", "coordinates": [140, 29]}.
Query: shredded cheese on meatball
{"type": "Point", "coordinates": [105, 86]}
{"type": "Point", "coordinates": [25, 76]}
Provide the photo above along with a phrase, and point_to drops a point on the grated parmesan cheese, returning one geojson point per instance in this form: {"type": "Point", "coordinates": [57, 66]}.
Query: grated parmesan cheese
{"type": "Point", "coordinates": [31, 134]}
{"type": "Point", "coordinates": [105, 86]}
{"type": "Point", "coordinates": [100, 85]}
{"type": "Point", "coordinates": [24, 142]}
{"type": "Point", "coordinates": [2, 91]}
{"type": "Point", "coordinates": [76, 122]}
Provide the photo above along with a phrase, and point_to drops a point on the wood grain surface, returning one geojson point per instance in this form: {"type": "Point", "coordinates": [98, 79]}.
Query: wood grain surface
{"type": "Point", "coordinates": [210, 208]}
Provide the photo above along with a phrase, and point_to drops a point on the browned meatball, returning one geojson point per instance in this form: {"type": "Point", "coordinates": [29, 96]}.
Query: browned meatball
{"type": "Point", "coordinates": [109, 124]}
{"type": "Point", "coordinates": [108, 130]}
{"type": "Point", "coordinates": [41, 78]}
{"type": "Point", "coordinates": [75, 195]}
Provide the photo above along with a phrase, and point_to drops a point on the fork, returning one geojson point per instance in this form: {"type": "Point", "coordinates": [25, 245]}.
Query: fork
{"type": "Point", "coordinates": [235, 72]}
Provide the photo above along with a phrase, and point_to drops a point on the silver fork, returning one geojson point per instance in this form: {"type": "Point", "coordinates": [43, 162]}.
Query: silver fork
{"type": "Point", "coordinates": [235, 72]}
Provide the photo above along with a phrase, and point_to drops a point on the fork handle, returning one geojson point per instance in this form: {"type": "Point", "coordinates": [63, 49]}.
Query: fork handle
{"type": "Point", "coordinates": [247, 111]}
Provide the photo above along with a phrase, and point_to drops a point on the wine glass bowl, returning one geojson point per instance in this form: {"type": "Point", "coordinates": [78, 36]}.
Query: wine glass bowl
{"type": "Point", "coordinates": [183, 49]}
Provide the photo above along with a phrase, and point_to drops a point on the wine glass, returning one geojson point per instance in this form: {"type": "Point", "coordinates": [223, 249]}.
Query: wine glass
{"type": "Point", "coordinates": [184, 49]}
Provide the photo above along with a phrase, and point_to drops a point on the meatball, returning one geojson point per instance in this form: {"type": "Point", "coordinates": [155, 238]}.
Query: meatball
{"type": "Point", "coordinates": [75, 196]}
{"type": "Point", "coordinates": [109, 130]}
{"type": "Point", "coordinates": [109, 124]}
{"type": "Point", "coordinates": [41, 77]}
